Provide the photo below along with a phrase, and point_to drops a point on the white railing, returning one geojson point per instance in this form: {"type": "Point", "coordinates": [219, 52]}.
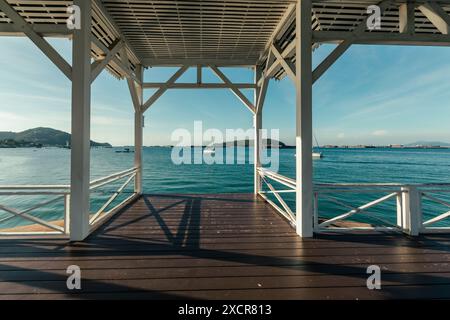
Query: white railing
{"type": "Point", "coordinates": [57, 193]}
{"type": "Point", "coordinates": [331, 192]}
{"type": "Point", "coordinates": [405, 215]}
{"type": "Point", "coordinates": [432, 194]}
{"type": "Point", "coordinates": [282, 207]}
{"type": "Point", "coordinates": [127, 175]}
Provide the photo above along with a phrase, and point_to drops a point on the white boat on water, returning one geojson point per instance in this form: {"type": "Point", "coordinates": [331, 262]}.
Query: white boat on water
{"type": "Point", "coordinates": [317, 155]}
{"type": "Point", "coordinates": [209, 150]}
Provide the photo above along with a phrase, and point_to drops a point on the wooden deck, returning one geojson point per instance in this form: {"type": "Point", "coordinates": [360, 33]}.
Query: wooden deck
{"type": "Point", "coordinates": [221, 247]}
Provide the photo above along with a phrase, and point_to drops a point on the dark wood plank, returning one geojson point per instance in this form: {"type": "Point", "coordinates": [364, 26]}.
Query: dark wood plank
{"type": "Point", "coordinates": [222, 246]}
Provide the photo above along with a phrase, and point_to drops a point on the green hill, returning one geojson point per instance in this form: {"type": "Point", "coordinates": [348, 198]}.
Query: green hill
{"type": "Point", "coordinates": [268, 143]}
{"type": "Point", "coordinates": [46, 137]}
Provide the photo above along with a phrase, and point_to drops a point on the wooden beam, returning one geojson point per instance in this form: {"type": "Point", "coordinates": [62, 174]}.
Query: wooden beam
{"type": "Point", "coordinates": [81, 123]}
{"type": "Point", "coordinates": [344, 45]}
{"type": "Point", "coordinates": [437, 16]}
{"type": "Point", "coordinates": [233, 88]}
{"type": "Point", "coordinates": [40, 42]}
{"type": "Point", "coordinates": [199, 74]}
{"type": "Point", "coordinates": [157, 85]}
{"type": "Point", "coordinates": [98, 66]}
{"type": "Point", "coordinates": [163, 89]}
{"type": "Point", "coordinates": [407, 18]}
{"type": "Point", "coordinates": [44, 30]}
{"type": "Point", "coordinates": [287, 14]}
{"type": "Point", "coordinates": [262, 94]}
{"type": "Point", "coordinates": [125, 69]}
{"type": "Point", "coordinates": [104, 12]}
{"type": "Point", "coordinates": [304, 136]}
{"type": "Point", "coordinates": [175, 62]}
{"type": "Point", "coordinates": [138, 128]}
{"type": "Point", "coordinates": [276, 65]}
{"type": "Point", "coordinates": [287, 65]}
{"type": "Point", "coordinates": [380, 38]}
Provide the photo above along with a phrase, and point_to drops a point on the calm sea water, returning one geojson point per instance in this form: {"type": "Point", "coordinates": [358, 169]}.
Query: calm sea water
{"type": "Point", "coordinates": [52, 166]}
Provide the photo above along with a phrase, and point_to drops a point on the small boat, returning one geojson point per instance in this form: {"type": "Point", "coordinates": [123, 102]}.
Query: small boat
{"type": "Point", "coordinates": [209, 150]}
{"type": "Point", "coordinates": [126, 150]}
{"type": "Point", "coordinates": [317, 155]}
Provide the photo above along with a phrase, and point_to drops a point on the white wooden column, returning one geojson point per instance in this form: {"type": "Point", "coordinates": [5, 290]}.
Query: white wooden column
{"type": "Point", "coordinates": [412, 210]}
{"type": "Point", "coordinates": [81, 113]}
{"type": "Point", "coordinates": [304, 168]}
{"type": "Point", "coordinates": [257, 124]}
{"type": "Point", "coordinates": [138, 132]}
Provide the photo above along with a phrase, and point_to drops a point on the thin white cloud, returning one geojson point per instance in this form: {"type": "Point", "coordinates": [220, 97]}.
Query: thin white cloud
{"type": "Point", "coordinates": [379, 133]}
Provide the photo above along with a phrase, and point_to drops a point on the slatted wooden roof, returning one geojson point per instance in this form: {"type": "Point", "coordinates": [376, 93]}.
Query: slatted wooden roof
{"type": "Point", "coordinates": [222, 32]}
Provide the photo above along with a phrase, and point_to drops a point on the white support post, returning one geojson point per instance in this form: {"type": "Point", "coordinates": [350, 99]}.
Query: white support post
{"type": "Point", "coordinates": [412, 210]}
{"type": "Point", "coordinates": [304, 83]}
{"type": "Point", "coordinates": [399, 201]}
{"type": "Point", "coordinates": [138, 134]}
{"type": "Point", "coordinates": [81, 113]}
{"type": "Point", "coordinates": [257, 124]}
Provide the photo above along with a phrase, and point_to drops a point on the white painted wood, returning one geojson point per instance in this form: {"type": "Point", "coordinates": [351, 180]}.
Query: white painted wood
{"type": "Point", "coordinates": [139, 135]}
{"type": "Point", "coordinates": [287, 65]}
{"type": "Point", "coordinates": [407, 18]}
{"type": "Point", "coordinates": [163, 89]}
{"type": "Point", "coordinates": [233, 88]}
{"type": "Point", "coordinates": [98, 66]}
{"type": "Point", "coordinates": [412, 210]}
{"type": "Point", "coordinates": [40, 42]}
{"type": "Point", "coordinates": [437, 16]}
{"type": "Point", "coordinates": [303, 141]}
{"type": "Point", "coordinates": [354, 211]}
{"type": "Point", "coordinates": [257, 125]}
{"type": "Point", "coordinates": [288, 182]}
{"type": "Point", "coordinates": [399, 210]}
{"type": "Point", "coordinates": [344, 45]}
{"type": "Point", "coordinates": [157, 85]}
{"type": "Point", "coordinates": [44, 30]}
{"type": "Point", "coordinates": [67, 214]}
{"type": "Point", "coordinates": [81, 113]}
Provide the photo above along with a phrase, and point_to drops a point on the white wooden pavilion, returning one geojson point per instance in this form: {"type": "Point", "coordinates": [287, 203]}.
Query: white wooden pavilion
{"type": "Point", "coordinates": [274, 37]}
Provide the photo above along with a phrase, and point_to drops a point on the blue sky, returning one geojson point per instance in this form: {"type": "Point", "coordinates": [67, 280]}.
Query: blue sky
{"type": "Point", "coordinates": [372, 95]}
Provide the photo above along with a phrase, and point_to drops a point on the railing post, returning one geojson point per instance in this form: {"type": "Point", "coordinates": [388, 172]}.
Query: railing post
{"type": "Point", "coordinates": [81, 121]}
{"type": "Point", "coordinates": [400, 209]}
{"type": "Point", "coordinates": [138, 123]}
{"type": "Point", "coordinates": [138, 133]}
{"type": "Point", "coordinates": [67, 213]}
{"type": "Point", "coordinates": [257, 118]}
{"type": "Point", "coordinates": [316, 212]}
{"type": "Point", "coordinates": [303, 85]}
{"type": "Point", "coordinates": [412, 210]}
{"type": "Point", "coordinates": [257, 125]}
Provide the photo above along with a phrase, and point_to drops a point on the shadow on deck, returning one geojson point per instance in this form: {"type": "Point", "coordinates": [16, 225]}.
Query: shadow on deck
{"type": "Point", "coordinates": [228, 246]}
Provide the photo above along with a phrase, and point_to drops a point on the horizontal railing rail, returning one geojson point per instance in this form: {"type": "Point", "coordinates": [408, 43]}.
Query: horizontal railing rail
{"type": "Point", "coordinates": [57, 193]}
{"type": "Point", "coordinates": [128, 176]}
{"type": "Point", "coordinates": [282, 207]}
{"type": "Point", "coordinates": [339, 222]}
{"type": "Point", "coordinates": [432, 193]}
{"type": "Point", "coordinates": [60, 193]}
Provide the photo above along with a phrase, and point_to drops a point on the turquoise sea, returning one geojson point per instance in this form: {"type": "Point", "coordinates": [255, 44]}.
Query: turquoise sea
{"type": "Point", "coordinates": [52, 166]}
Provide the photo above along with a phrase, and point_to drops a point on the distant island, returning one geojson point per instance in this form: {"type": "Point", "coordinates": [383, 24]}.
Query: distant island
{"type": "Point", "coordinates": [414, 145]}
{"type": "Point", "coordinates": [38, 138]}
{"type": "Point", "coordinates": [267, 143]}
